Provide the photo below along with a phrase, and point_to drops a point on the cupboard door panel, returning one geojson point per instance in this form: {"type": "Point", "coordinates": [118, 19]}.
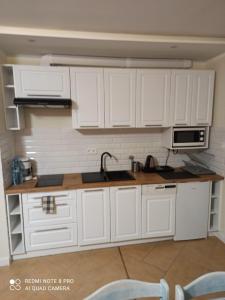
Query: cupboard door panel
{"type": "Point", "coordinates": [93, 216]}
{"type": "Point", "coordinates": [41, 81]}
{"type": "Point", "coordinates": [181, 92]}
{"type": "Point", "coordinates": [202, 98]}
{"type": "Point", "coordinates": [125, 213]}
{"type": "Point", "coordinates": [120, 86]}
{"type": "Point", "coordinates": [153, 96]}
{"type": "Point", "coordinates": [87, 94]}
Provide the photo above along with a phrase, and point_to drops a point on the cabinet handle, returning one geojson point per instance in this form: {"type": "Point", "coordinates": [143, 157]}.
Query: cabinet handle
{"type": "Point", "coordinates": [181, 124]}
{"type": "Point", "coordinates": [98, 190]}
{"type": "Point", "coordinates": [56, 196]}
{"type": "Point", "coordinates": [158, 125]}
{"type": "Point", "coordinates": [46, 96]}
{"type": "Point", "coordinates": [89, 126]}
{"type": "Point", "coordinates": [121, 126]}
{"type": "Point", "coordinates": [127, 188]}
{"type": "Point", "coordinates": [203, 124]}
{"type": "Point", "coordinates": [61, 204]}
{"type": "Point", "coordinates": [53, 229]}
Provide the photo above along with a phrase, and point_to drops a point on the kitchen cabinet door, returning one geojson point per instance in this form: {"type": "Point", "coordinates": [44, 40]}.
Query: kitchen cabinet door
{"type": "Point", "coordinates": [153, 96]}
{"type": "Point", "coordinates": [125, 213]}
{"type": "Point", "coordinates": [181, 97]}
{"type": "Point", "coordinates": [158, 215]}
{"type": "Point", "coordinates": [87, 94]}
{"type": "Point", "coordinates": [41, 81]}
{"type": "Point", "coordinates": [202, 98]}
{"type": "Point", "coordinates": [93, 216]}
{"type": "Point", "coordinates": [120, 87]}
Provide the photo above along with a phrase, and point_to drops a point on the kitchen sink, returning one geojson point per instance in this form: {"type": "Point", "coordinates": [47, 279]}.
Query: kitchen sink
{"type": "Point", "coordinates": [93, 177]}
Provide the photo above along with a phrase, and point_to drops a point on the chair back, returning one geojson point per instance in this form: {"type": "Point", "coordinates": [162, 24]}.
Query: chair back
{"type": "Point", "coordinates": [209, 283]}
{"type": "Point", "coordinates": [131, 289]}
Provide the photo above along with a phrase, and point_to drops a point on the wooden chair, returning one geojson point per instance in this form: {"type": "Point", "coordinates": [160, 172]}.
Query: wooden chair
{"type": "Point", "coordinates": [209, 283]}
{"type": "Point", "coordinates": [131, 289]}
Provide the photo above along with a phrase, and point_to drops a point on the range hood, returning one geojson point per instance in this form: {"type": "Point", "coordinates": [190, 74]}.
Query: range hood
{"type": "Point", "coordinates": [43, 102]}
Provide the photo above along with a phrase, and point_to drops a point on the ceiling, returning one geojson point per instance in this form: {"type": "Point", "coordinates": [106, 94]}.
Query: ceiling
{"type": "Point", "coordinates": [193, 29]}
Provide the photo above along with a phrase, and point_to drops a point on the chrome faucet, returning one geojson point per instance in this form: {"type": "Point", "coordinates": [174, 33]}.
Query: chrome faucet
{"type": "Point", "coordinates": [102, 156]}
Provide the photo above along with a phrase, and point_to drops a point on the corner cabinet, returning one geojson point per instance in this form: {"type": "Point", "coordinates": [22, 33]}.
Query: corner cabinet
{"type": "Point", "coordinates": [41, 81]}
{"type": "Point", "coordinates": [120, 88]}
{"type": "Point", "coordinates": [93, 216]}
{"type": "Point", "coordinates": [152, 98]}
{"type": "Point", "coordinates": [87, 94]}
{"type": "Point", "coordinates": [125, 213]}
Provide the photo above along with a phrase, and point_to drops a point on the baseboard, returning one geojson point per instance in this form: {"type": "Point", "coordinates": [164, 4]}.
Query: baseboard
{"type": "Point", "coordinates": [4, 261]}
{"type": "Point", "coordinates": [220, 236]}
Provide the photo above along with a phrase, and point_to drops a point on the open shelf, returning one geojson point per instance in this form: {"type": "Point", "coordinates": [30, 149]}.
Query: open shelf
{"type": "Point", "coordinates": [214, 206]}
{"type": "Point", "coordinates": [17, 228]}
{"type": "Point", "coordinates": [13, 114]}
{"type": "Point", "coordinates": [15, 224]}
{"type": "Point", "coordinates": [15, 211]}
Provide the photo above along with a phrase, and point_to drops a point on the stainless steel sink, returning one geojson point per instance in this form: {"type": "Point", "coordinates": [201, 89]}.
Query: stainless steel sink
{"type": "Point", "coordinates": [93, 177]}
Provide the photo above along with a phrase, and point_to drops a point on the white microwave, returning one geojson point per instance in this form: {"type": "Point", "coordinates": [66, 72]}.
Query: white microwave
{"type": "Point", "coordinates": [186, 137]}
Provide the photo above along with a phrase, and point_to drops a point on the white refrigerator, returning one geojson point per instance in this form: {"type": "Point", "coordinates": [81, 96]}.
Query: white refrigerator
{"type": "Point", "coordinates": [192, 210]}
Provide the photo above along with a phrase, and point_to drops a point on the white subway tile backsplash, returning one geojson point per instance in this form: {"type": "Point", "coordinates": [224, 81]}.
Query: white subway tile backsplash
{"type": "Point", "coordinates": [57, 150]}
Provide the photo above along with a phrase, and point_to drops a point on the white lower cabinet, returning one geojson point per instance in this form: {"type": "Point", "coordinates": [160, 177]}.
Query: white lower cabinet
{"type": "Point", "coordinates": [93, 216]}
{"type": "Point", "coordinates": [125, 213]}
{"type": "Point", "coordinates": [48, 237]}
{"type": "Point", "coordinates": [158, 211]}
{"type": "Point", "coordinates": [48, 231]}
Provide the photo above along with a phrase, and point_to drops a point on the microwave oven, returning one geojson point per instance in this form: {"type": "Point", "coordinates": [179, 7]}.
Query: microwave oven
{"type": "Point", "coordinates": [186, 137]}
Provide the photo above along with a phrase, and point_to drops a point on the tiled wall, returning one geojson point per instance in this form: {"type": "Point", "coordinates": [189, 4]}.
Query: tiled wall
{"type": "Point", "coordinates": [214, 157]}
{"type": "Point", "coordinates": [7, 146]}
{"type": "Point", "coordinates": [66, 150]}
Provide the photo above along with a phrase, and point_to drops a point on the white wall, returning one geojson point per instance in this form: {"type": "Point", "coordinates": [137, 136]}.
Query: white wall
{"type": "Point", "coordinates": [217, 141]}
{"type": "Point", "coordinates": [6, 146]}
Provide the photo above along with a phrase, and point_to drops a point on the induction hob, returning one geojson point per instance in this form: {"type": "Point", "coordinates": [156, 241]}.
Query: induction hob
{"type": "Point", "coordinates": [49, 180]}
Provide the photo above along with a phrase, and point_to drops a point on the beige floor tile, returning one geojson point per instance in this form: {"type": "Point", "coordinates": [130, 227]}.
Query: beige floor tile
{"type": "Point", "coordinates": [138, 252]}
{"type": "Point", "coordinates": [177, 262]}
{"type": "Point", "coordinates": [163, 255]}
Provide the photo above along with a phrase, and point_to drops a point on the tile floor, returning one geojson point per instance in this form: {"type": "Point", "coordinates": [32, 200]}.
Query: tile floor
{"type": "Point", "coordinates": [177, 262]}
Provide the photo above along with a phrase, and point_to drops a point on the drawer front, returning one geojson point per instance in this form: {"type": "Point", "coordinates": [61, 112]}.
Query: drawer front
{"type": "Point", "coordinates": [35, 216]}
{"type": "Point", "coordinates": [36, 197]}
{"type": "Point", "coordinates": [51, 237]}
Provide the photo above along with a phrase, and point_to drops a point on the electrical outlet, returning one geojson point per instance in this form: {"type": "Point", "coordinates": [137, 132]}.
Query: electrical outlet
{"type": "Point", "coordinates": [92, 151]}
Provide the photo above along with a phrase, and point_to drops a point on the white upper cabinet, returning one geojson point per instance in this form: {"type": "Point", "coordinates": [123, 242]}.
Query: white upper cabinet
{"type": "Point", "coordinates": [202, 98]}
{"type": "Point", "coordinates": [125, 213]}
{"type": "Point", "coordinates": [41, 81]}
{"type": "Point", "coordinates": [181, 96]}
{"type": "Point", "coordinates": [153, 96]}
{"type": "Point", "coordinates": [192, 97]}
{"type": "Point", "coordinates": [120, 88]}
{"type": "Point", "coordinates": [87, 94]}
{"type": "Point", "coordinates": [93, 216]}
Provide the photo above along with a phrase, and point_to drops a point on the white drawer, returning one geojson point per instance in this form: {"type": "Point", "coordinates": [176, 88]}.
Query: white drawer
{"type": "Point", "coordinates": [36, 197]}
{"type": "Point", "coordinates": [51, 237]}
{"type": "Point", "coordinates": [34, 215]}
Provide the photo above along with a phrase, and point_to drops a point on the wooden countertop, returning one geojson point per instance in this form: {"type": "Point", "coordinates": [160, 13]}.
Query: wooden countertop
{"type": "Point", "coordinates": [74, 181]}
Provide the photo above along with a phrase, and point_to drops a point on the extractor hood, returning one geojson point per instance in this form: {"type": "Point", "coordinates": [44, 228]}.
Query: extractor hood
{"type": "Point", "coordinates": [43, 102]}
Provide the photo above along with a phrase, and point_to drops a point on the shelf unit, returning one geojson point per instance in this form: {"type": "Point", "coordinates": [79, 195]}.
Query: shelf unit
{"type": "Point", "coordinates": [15, 224]}
{"type": "Point", "coordinates": [13, 114]}
{"type": "Point", "coordinates": [216, 188]}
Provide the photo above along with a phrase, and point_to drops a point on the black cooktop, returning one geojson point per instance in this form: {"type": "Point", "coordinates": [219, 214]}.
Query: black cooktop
{"type": "Point", "coordinates": [177, 175]}
{"type": "Point", "coordinates": [49, 180]}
